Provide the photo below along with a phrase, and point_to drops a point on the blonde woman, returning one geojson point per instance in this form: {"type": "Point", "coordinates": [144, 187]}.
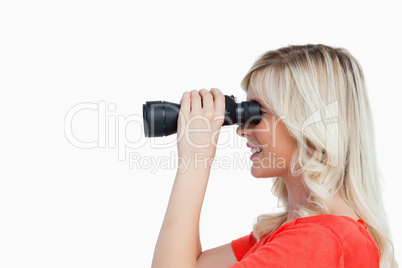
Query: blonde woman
{"type": "Point", "coordinates": [317, 120]}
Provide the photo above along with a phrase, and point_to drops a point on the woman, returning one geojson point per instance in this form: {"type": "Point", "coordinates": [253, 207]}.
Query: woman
{"type": "Point", "coordinates": [317, 119]}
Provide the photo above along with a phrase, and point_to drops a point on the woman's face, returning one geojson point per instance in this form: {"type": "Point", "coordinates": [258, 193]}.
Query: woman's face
{"type": "Point", "coordinates": [271, 135]}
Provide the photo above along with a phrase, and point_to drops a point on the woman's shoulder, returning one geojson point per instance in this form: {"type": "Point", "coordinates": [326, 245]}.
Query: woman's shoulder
{"type": "Point", "coordinates": [317, 241]}
{"type": "Point", "coordinates": [351, 235]}
{"type": "Point", "coordinates": [343, 227]}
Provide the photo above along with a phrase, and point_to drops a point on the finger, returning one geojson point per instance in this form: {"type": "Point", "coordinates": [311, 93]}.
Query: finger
{"type": "Point", "coordinates": [219, 101]}
{"type": "Point", "coordinates": [207, 100]}
{"type": "Point", "coordinates": [195, 100]}
{"type": "Point", "coordinates": [185, 103]}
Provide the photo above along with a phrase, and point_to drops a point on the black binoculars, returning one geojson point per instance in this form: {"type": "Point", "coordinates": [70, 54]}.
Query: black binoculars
{"type": "Point", "coordinates": [160, 117]}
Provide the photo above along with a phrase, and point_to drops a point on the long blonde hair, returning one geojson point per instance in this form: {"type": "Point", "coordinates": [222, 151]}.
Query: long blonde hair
{"type": "Point", "coordinates": [321, 91]}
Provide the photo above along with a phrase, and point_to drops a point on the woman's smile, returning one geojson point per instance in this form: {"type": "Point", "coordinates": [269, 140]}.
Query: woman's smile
{"type": "Point", "coordinates": [255, 150]}
{"type": "Point", "coordinates": [254, 155]}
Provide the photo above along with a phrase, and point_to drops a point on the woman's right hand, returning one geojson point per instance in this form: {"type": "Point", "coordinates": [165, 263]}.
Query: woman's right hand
{"type": "Point", "coordinates": [200, 119]}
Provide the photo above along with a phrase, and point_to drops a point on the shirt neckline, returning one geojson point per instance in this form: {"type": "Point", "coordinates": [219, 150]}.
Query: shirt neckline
{"type": "Point", "coordinates": [358, 222]}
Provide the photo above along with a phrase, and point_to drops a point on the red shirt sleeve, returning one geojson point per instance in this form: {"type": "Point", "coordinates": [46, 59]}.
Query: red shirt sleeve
{"type": "Point", "coordinates": [301, 245]}
{"type": "Point", "coordinates": [242, 245]}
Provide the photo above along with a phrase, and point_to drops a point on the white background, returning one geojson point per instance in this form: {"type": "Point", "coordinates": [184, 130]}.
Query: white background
{"type": "Point", "coordinates": [64, 206]}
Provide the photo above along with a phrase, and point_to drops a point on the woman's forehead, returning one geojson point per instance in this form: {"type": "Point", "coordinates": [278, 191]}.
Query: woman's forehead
{"type": "Point", "coordinates": [251, 96]}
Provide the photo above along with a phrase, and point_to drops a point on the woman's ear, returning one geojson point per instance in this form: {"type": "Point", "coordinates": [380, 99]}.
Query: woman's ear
{"type": "Point", "coordinates": [311, 149]}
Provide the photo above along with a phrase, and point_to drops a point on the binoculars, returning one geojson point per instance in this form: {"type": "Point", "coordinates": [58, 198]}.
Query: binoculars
{"type": "Point", "coordinates": [160, 117]}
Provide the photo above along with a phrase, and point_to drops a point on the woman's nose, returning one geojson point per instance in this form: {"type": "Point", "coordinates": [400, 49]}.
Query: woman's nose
{"type": "Point", "coordinates": [243, 131]}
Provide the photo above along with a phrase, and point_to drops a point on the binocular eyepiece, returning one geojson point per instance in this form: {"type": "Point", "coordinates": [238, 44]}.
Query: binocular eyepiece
{"type": "Point", "coordinates": [160, 117]}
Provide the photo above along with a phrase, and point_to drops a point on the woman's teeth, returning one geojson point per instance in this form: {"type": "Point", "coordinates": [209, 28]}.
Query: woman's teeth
{"type": "Point", "coordinates": [256, 150]}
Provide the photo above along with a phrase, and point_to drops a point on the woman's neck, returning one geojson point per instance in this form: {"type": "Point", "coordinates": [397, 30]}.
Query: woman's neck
{"type": "Point", "coordinates": [298, 195]}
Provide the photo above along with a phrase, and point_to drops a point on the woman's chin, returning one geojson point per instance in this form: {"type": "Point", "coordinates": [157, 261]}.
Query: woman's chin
{"type": "Point", "coordinates": [257, 172]}
{"type": "Point", "coordinates": [267, 166]}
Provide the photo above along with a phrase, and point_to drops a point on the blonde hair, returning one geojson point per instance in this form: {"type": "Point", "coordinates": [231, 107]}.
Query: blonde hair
{"type": "Point", "coordinates": [321, 91]}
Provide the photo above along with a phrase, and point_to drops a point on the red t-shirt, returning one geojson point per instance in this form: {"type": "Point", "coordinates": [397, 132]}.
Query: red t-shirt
{"type": "Point", "coordinates": [317, 241]}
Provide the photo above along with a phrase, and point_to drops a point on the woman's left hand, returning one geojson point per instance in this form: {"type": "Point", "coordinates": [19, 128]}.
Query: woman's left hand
{"type": "Point", "coordinates": [200, 119]}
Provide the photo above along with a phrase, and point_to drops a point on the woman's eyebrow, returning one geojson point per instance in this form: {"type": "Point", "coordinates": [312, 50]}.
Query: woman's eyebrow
{"type": "Point", "coordinates": [258, 101]}
{"type": "Point", "coordinates": [262, 107]}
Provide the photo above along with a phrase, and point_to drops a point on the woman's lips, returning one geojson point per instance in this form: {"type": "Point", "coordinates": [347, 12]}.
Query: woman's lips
{"type": "Point", "coordinates": [255, 155]}
{"type": "Point", "coordinates": [250, 145]}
